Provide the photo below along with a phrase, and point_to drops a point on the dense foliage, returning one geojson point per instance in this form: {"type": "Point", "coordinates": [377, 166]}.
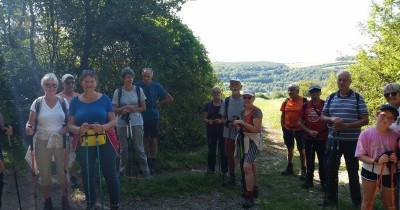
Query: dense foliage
{"type": "Point", "coordinates": [40, 36]}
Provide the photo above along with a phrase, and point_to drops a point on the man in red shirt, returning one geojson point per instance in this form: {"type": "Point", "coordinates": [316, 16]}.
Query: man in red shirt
{"type": "Point", "coordinates": [291, 110]}
{"type": "Point", "coordinates": [315, 136]}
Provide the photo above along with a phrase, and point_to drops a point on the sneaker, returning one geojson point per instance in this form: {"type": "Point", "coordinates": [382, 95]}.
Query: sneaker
{"type": "Point", "coordinates": [73, 182]}
{"type": "Point", "coordinates": [288, 170]}
{"type": "Point", "coordinates": [248, 203]}
{"type": "Point", "coordinates": [48, 204]}
{"type": "Point", "coordinates": [303, 173]}
{"type": "Point", "coordinates": [65, 203]}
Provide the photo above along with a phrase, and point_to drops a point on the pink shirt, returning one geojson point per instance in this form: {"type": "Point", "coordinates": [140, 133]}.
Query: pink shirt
{"type": "Point", "coordinates": [373, 143]}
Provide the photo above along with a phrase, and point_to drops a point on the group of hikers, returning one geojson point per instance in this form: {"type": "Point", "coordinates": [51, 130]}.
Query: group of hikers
{"type": "Point", "coordinates": [68, 125]}
{"type": "Point", "coordinates": [332, 129]}
{"type": "Point", "coordinates": [328, 129]}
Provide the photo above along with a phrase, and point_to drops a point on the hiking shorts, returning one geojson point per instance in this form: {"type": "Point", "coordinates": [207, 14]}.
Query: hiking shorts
{"type": "Point", "coordinates": [251, 154]}
{"type": "Point", "coordinates": [151, 128]}
{"type": "Point", "coordinates": [373, 177]}
{"type": "Point", "coordinates": [290, 135]}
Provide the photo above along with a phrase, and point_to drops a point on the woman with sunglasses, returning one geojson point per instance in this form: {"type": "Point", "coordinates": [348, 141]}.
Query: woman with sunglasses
{"type": "Point", "coordinates": [91, 116]}
{"type": "Point", "coordinates": [250, 122]}
{"type": "Point", "coordinates": [47, 125]}
{"type": "Point", "coordinates": [391, 92]}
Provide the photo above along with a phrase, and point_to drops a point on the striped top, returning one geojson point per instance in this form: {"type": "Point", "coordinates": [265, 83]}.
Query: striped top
{"type": "Point", "coordinates": [346, 108]}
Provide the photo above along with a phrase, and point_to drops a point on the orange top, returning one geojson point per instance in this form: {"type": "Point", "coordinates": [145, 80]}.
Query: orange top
{"type": "Point", "coordinates": [292, 112]}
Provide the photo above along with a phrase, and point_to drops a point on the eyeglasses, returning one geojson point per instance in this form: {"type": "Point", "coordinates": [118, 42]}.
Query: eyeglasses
{"type": "Point", "coordinates": [386, 117]}
{"type": "Point", "coordinates": [393, 94]}
{"type": "Point", "coordinates": [247, 97]}
{"type": "Point", "coordinates": [48, 86]}
{"type": "Point", "coordinates": [216, 92]}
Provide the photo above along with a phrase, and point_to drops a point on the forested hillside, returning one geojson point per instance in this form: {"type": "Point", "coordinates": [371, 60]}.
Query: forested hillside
{"type": "Point", "coordinates": [266, 77]}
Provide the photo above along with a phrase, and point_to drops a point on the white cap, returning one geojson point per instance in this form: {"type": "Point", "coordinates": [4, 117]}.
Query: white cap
{"type": "Point", "coordinates": [63, 78]}
{"type": "Point", "coordinates": [249, 92]}
{"type": "Point", "coordinates": [235, 79]}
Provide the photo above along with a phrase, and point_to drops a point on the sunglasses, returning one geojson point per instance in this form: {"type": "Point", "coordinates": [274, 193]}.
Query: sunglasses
{"type": "Point", "coordinates": [247, 97]}
{"type": "Point", "coordinates": [393, 94]}
{"type": "Point", "coordinates": [50, 86]}
{"type": "Point", "coordinates": [69, 82]}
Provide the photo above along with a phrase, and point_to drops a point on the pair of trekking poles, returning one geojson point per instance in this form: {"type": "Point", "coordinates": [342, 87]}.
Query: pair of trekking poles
{"type": "Point", "coordinates": [99, 166]}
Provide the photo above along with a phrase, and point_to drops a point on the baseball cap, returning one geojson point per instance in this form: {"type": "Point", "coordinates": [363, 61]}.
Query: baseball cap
{"type": "Point", "coordinates": [388, 107]}
{"type": "Point", "coordinates": [249, 92]}
{"type": "Point", "coordinates": [65, 76]}
{"type": "Point", "coordinates": [314, 87]}
{"type": "Point", "coordinates": [235, 79]}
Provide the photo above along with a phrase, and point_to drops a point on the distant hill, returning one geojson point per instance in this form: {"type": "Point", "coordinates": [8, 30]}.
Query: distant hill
{"type": "Point", "coordinates": [267, 77]}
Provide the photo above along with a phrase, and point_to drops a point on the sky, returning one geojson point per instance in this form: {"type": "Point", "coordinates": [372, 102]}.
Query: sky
{"type": "Point", "coordinates": [286, 31]}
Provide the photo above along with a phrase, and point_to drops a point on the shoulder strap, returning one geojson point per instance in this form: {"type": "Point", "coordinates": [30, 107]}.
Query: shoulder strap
{"type": "Point", "coordinates": [329, 102]}
{"type": "Point", "coordinates": [64, 108]}
{"type": "Point", "coordinates": [119, 96]}
{"type": "Point", "coordinates": [37, 109]}
{"type": "Point", "coordinates": [138, 94]}
{"type": "Point", "coordinates": [358, 107]}
{"type": "Point", "coordinates": [226, 106]}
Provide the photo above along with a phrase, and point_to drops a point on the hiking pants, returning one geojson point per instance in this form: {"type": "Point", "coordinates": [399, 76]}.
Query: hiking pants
{"type": "Point", "coordinates": [214, 139]}
{"type": "Point", "coordinates": [318, 147]}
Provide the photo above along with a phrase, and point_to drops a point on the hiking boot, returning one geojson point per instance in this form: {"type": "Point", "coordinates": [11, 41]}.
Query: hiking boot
{"type": "Point", "coordinates": [65, 203]}
{"type": "Point", "coordinates": [231, 181]}
{"type": "Point", "coordinates": [48, 204]}
{"type": "Point", "coordinates": [307, 184]}
{"type": "Point", "coordinates": [73, 182]}
{"type": "Point", "coordinates": [303, 173]}
{"type": "Point", "coordinates": [288, 170]}
{"type": "Point", "coordinates": [248, 203]}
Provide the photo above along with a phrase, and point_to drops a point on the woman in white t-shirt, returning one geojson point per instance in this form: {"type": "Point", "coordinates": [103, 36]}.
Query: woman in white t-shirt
{"type": "Point", "coordinates": [129, 103]}
{"type": "Point", "coordinates": [47, 123]}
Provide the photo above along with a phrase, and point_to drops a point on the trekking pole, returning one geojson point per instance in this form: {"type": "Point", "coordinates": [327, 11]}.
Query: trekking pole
{"type": "Point", "coordinates": [130, 138]}
{"type": "Point", "coordinates": [331, 166]}
{"type": "Point", "coordinates": [240, 135]}
{"type": "Point", "coordinates": [87, 167]}
{"type": "Point", "coordinates": [65, 136]}
{"type": "Point", "coordinates": [99, 162]}
{"type": "Point", "coordinates": [15, 173]}
{"type": "Point", "coordinates": [33, 171]}
{"type": "Point", "coordinates": [378, 182]}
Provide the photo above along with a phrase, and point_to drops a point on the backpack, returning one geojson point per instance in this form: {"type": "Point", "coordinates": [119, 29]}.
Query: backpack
{"type": "Point", "coordinates": [357, 103]}
{"type": "Point", "coordinates": [226, 106]}
{"type": "Point", "coordinates": [120, 94]}
{"type": "Point", "coordinates": [60, 100]}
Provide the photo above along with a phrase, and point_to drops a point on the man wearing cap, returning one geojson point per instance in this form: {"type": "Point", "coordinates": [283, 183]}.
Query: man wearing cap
{"type": "Point", "coordinates": [68, 81]}
{"type": "Point", "coordinates": [69, 86]}
{"type": "Point", "coordinates": [315, 136]}
{"type": "Point", "coordinates": [156, 96]}
{"type": "Point", "coordinates": [291, 110]}
{"type": "Point", "coordinates": [230, 110]}
{"type": "Point", "coordinates": [346, 112]}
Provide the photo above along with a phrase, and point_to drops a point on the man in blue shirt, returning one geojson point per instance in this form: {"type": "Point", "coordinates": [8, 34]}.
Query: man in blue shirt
{"type": "Point", "coordinates": [156, 96]}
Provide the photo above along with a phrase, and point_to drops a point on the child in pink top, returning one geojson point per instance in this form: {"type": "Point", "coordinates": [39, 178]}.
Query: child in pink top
{"type": "Point", "coordinates": [377, 147]}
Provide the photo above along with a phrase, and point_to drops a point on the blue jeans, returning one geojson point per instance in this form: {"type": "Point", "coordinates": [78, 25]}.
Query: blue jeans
{"type": "Point", "coordinates": [346, 148]}
{"type": "Point", "coordinates": [108, 166]}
